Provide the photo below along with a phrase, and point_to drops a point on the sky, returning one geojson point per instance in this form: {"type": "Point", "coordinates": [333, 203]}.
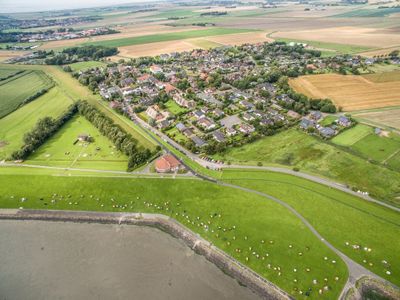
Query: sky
{"type": "Point", "coordinates": [9, 6]}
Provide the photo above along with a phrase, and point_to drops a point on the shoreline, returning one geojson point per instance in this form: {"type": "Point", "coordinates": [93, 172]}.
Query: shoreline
{"type": "Point", "coordinates": [226, 263]}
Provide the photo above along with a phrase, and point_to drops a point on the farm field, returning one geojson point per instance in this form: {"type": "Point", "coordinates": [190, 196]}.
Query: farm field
{"type": "Point", "coordinates": [15, 90]}
{"type": "Point", "coordinates": [352, 135]}
{"type": "Point", "coordinates": [15, 125]}
{"type": "Point", "coordinates": [328, 49]}
{"type": "Point", "coordinates": [341, 218]}
{"type": "Point", "coordinates": [6, 73]}
{"type": "Point", "coordinates": [164, 37]}
{"type": "Point", "coordinates": [80, 66]}
{"type": "Point", "coordinates": [386, 117]}
{"type": "Point", "coordinates": [63, 149]}
{"type": "Point", "coordinates": [350, 92]}
{"type": "Point", "coordinates": [193, 203]}
{"type": "Point", "coordinates": [362, 36]}
{"type": "Point", "coordinates": [384, 76]}
{"type": "Point", "coordinates": [378, 148]}
{"type": "Point", "coordinates": [371, 12]}
{"type": "Point", "coordinates": [293, 148]}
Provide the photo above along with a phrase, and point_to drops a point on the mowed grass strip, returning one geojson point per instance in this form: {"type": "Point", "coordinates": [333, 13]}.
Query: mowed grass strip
{"type": "Point", "coordinates": [84, 65]}
{"type": "Point", "coordinates": [164, 37]}
{"type": "Point", "coordinates": [15, 125]}
{"type": "Point", "coordinates": [352, 135]}
{"type": "Point", "coordinates": [63, 149]}
{"type": "Point", "coordinates": [351, 224]}
{"type": "Point", "coordinates": [294, 148]}
{"type": "Point", "coordinates": [15, 91]}
{"type": "Point", "coordinates": [277, 245]}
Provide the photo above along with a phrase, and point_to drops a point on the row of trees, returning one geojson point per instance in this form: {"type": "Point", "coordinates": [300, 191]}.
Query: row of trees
{"type": "Point", "coordinates": [123, 141]}
{"type": "Point", "coordinates": [42, 131]}
{"type": "Point", "coordinates": [75, 54]}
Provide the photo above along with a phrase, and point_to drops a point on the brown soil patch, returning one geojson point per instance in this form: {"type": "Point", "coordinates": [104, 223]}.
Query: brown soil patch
{"type": "Point", "coordinates": [345, 35]}
{"type": "Point", "coordinates": [349, 92]}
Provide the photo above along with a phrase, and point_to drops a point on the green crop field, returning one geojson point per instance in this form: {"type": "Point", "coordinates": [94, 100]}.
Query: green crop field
{"type": "Point", "coordinates": [164, 37]}
{"type": "Point", "coordinates": [381, 12]}
{"type": "Point", "coordinates": [333, 48]}
{"type": "Point", "coordinates": [80, 66]}
{"type": "Point", "coordinates": [376, 147]}
{"type": "Point", "coordinates": [328, 120]}
{"type": "Point", "coordinates": [293, 148]}
{"type": "Point", "coordinates": [15, 125]}
{"type": "Point", "coordinates": [5, 73]}
{"type": "Point", "coordinates": [344, 220]}
{"type": "Point", "coordinates": [15, 90]}
{"type": "Point", "coordinates": [63, 150]}
{"type": "Point", "coordinates": [394, 161]}
{"type": "Point", "coordinates": [352, 135]}
{"type": "Point", "coordinates": [259, 233]}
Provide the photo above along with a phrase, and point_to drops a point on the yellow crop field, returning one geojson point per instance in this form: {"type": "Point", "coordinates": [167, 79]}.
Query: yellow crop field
{"type": "Point", "coordinates": [350, 92]}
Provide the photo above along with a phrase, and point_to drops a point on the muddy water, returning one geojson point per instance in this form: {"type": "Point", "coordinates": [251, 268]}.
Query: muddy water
{"type": "Point", "coordinates": [48, 260]}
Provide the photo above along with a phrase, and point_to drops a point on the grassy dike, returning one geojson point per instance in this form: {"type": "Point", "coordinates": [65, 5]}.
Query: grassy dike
{"type": "Point", "coordinates": [259, 233]}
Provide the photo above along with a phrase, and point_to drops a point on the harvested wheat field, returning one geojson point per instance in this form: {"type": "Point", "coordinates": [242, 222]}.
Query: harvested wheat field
{"type": "Point", "coordinates": [378, 52]}
{"type": "Point", "coordinates": [350, 92]}
{"type": "Point", "coordinates": [389, 118]}
{"type": "Point", "coordinates": [373, 37]}
{"type": "Point", "coordinates": [6, 54]}
{"type": "Point", "coordinates": [241, 38]}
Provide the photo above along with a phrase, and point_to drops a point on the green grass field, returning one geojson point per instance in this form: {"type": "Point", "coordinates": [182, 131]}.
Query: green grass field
{"type": "Point", "coordinates": [234, 221]}
{"type": "Point", "coordinates": [80, 66]}
{"type": "Point", "coordinates": [62, 151]}
{"type": "Point", "coordinates": [352, 135]}
{"type": "Point", "coordinates": [174, 108]}
{"type": "Point", "coordinates": [164, 37]}
{"type": "Point", "coordinates": [342, 219]}
{"type": "Point", "coordinates": [293, 148]}
{"type": "Point", "coordinates": [15, 125]}
{"type": "Point", "coordinates": [15, 90]}
{"type": "Point", "coordinates": [377, 148]}
{"type": "Point", "coordinates": [4, 73]}
{"type": "Point", "coordinates": [333, 48]}
{"type": "Point", "coordinates": [382, 12]}
{"type": "Point", "coordinates": [328, 120]}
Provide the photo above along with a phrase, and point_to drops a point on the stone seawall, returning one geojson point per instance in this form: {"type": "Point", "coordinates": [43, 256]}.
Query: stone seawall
{"type": "Point", "coordinates": [226, 263]}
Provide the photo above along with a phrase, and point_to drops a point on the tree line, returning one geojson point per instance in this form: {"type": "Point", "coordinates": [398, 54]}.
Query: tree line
{"type": "Point", "coordinates": [123, 141]}
{"type": "Point", "coordinates": [75, 54]}
{"type": "Point", "coordinates": [42, 131]}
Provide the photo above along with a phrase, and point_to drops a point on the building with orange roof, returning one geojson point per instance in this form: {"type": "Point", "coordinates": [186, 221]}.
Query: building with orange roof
{"type": "Point", "coordinates": [167, 163]}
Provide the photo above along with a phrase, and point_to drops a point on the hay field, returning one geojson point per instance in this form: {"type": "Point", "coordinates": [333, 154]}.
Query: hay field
{"type": "Point", "coordinates": [377, 52]}
{"type": "Point", "coordinates": [152, 49]}
{"type": "Point", "coordinates": [349, 92]}
{"type": "Point", "coordinates": [373, 37]}
{"type": "Point", "coordinates": [389, 118]}
{"type": "Point", "coordinates": [5, 54]}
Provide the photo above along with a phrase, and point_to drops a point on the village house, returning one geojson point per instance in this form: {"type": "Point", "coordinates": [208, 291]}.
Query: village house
{"type": "Point", "coordinates": [155, 69]}
{"type": "Point", "coordinates": [326, 132]}
{"type": "Point", "coordinates": [178, 98]}
{"type": "Point", "coordinates": [306, 123]}
{"type": "Point", "coordinates": [155, 113]}
{"type": "Point", "coordinates": [206, 123]}
{"type": "Point", "coordinates": [344, 121]}
{"type": "Point", "coordinates": [198, 141]}
{"type": "Point", "coordinates": [218, 136]}
{"type": "Point", "coordinates": [167, 163]}
{"type": "Point", "coordinates": [246, 128]}
{"type": "Point", "coordinates": [316, 115]}
{"type": "Point", "coordinates": [230, 131]}
{"type": "Point", "coordinates": [180, 126]}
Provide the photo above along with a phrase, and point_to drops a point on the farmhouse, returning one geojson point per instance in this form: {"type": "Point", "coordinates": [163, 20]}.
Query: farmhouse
{"type": "Point", "coordinates": [344, 121]}
{"type": "Point", "coordinates": [198, 141]}
{"type": "Point", "coordinates": [206, 123]}
{"type": "Point", "coordinates": [167, 163]}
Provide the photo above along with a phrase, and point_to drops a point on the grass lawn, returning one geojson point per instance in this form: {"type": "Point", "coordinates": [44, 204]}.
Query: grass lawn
{"type": "Point", "coordinates": [15, 125]}
{"type": "Point", "coordinates": [333, 47]}
{"type": "Point", "coordinates": [377, 148]}
{"type": "Point", "coordinates": [176, 135]}
{"type": "Point", "coordinates": [328, 120]}
{"type": "Point", "coordinates": [233, 220]}
{"type": "Point", "coordinates": [80, 66]}
{"type": "Point", "coordinates": [15, 90]}
{"type": "Point", "coordinates": [352, 135]}
{"type": "Point", "coordinates": [164, 37]}
{"type": "Point", "coordinates": [174, 108]}
{"type": "Point", "coordinates": [294, 148]}
{"type": "Point", "coordinates": [339, 217]}
{"type": "Point", "coordinates": [394, 161]}
{"type": "Point", "coordinates": [62, 151]}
